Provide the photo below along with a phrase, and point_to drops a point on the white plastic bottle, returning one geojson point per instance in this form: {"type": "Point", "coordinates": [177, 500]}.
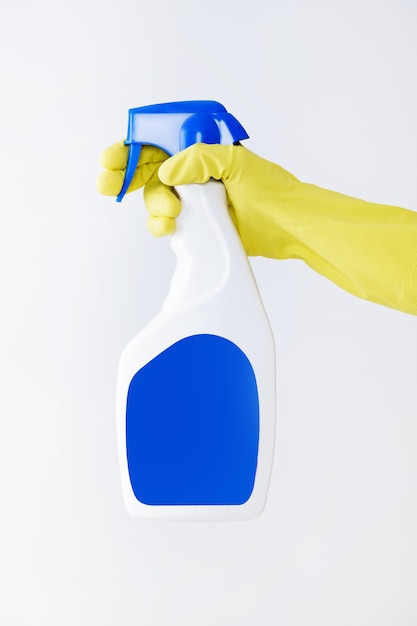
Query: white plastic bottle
{"type": "Point", "coordinates": [196, 387]}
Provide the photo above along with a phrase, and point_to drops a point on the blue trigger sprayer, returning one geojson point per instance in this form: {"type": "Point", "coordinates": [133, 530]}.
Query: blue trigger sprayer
{"type": "Point", "coordinates": [196, 387]}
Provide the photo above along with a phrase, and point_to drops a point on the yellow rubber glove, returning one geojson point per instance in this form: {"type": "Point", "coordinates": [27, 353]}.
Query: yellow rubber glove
{"type": "Point", "coordinates": [368, 249]}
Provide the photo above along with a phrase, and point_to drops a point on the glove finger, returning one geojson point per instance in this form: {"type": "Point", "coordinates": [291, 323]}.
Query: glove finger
{"type": "Point", "coordinates": [197, 164]}
{"type": "Point", "coordinates": [115, 156]}
{"type": "Point", "coordinates": [160, 200]}
{"type": "Point", "coordinates": [160, 226]}
{"type": "Point", "coordinates": [110, 182]}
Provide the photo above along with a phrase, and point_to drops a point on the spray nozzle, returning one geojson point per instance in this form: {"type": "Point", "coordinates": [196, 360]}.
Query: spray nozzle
{"type": "Point", "coordinates": [175, 126]}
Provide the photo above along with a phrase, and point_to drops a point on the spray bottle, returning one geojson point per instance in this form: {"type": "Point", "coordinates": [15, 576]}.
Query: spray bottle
{"type": "Point", "coordinates": [196, 387]}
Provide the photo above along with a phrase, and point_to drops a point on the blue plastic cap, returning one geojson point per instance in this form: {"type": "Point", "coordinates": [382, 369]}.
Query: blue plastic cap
{"type": "Point", "coordinates": [174, 126]}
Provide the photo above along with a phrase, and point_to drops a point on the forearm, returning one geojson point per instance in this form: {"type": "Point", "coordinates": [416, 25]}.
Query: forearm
{"type": "Point", "coordinates": [367, 249]}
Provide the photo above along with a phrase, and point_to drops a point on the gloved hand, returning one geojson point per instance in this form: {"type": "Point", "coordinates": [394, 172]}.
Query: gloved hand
{"type": "Point", "coordinates": [367, 249]}
{"type": "Point", "coordinates": [248, 179]}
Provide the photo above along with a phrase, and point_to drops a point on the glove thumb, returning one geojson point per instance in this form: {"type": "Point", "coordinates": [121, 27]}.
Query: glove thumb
{"type": "Point", "coordinates": [197, 164]}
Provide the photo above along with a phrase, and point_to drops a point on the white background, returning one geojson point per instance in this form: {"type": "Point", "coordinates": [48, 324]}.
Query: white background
{"type": "Point", "coordinates": [328, 90]}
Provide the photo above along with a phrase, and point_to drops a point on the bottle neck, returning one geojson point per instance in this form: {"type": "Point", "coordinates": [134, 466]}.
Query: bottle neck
{"type": "Point", "coordinates": [205, 243]}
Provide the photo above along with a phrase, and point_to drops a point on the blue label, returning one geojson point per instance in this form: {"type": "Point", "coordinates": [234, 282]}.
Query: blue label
{"type": "Point", "coordinates": [192, 425]}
